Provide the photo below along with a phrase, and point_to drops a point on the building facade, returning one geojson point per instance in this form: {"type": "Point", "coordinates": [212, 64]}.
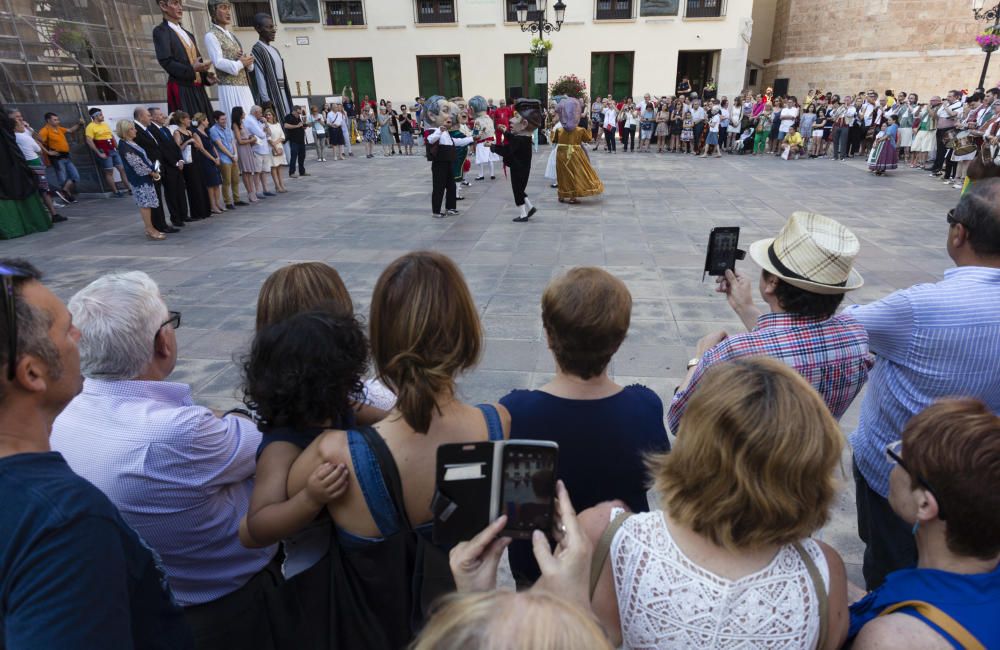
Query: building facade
{"type": "Point", "coordinates": [399, 49]}
{"type": "Point", "coordinates": [843, 47]}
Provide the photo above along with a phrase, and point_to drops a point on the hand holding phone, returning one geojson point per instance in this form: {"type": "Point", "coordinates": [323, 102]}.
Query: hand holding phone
{"type": "Point", "coordinates": [723, 251]}
{"type": "Point", "coordinates": [565, 572]}
{"type": "Point", "coordinates": [474, 563]}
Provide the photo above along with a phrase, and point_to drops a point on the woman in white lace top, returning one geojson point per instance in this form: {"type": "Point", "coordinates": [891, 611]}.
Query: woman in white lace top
{"type": "Point", "coordinates": [726, 563]}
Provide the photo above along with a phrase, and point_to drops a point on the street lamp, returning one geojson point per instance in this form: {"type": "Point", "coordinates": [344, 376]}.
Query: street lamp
{"type": "Point", "coordinates": [980, 12]}
{"type": "Point", "coordinates": [540, 26]}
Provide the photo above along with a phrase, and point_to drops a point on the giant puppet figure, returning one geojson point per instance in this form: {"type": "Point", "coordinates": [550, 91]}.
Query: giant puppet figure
{"type": "Point", "coordinates": [461, 131]}
{"type": "Point", "coordinates": [270, 79]}
{"type": "Point", "coordinates": [177, 53]}
{"type": "Point", "coordinates": [441, 118]}
{"type": "Point", "coordinates": [232, 63]}
{"type": "Point", "coordinates": [484, 135]}
{"type": "Point", "coordinates": [574, 175]}
{"type": "Point", "coordinates": [516, 152]}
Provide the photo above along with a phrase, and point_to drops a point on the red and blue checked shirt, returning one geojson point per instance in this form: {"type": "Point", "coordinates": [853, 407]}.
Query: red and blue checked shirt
{"type": "Point", "coordinates": [831, 354]}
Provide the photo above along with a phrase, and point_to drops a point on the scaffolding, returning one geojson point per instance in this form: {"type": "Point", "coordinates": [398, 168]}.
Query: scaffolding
{"type": "Point", "coordinates": [84, 51]}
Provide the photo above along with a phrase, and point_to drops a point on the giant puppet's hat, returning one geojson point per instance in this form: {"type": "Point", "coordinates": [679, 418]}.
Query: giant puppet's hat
{"type": "Point", "coordinates": [530, 110]}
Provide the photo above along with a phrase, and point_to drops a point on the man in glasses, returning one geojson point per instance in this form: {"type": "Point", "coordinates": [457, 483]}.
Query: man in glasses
{"type": "Point", "coordinates": [73, 574]}
{"type": "Point", "coordinates": [931, 341]}
{"type": "Point", "coordinates": [181, 475]}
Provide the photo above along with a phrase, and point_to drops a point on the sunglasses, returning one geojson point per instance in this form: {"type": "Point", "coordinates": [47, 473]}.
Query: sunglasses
{"type": "Point", "coordinates": [894, 452]}
{"type": "Point", "coordinates": [7, 275]}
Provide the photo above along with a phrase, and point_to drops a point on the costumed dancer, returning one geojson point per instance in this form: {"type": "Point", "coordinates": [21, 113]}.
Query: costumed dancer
{"type": "Point", "coordinates": [441, 116]}
{"type": "Point", "coordinates": [269, 82]}
{"type": "Point", "coordinates": [516, 152]}
{"type": "Point", "coordinates": [484, 135]}
{"type": "Point", "coordinates": [550, 165]}
{"type": "Point", "coordinates": [177, 53]}
{"type": "Point", "coordinates": [226, 53]}
{"type": "Point", "coordinates": [460, 131]}
{"type": "Point", "coordinates": [574, 175]}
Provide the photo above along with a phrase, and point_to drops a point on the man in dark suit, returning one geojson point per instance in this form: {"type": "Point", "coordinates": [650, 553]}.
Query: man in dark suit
{"type": "Point", "coordinates": [177, 53]}
{"type": "Point", "coordinates": [172, 175]}
{"type": "Point", "coordinates": [145, 139]}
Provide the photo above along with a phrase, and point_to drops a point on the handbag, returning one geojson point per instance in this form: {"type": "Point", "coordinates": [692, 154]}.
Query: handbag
{"type": "Point", "coordinates": [375, 596]}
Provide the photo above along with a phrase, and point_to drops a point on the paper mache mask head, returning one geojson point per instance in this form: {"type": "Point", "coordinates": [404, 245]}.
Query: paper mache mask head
{"type": "Point", "coordinates": [568, 110]}
{"type": "Point", "coordinates": [528, 118]}
{"type": "Point", "coordinates": [460, 101]}
{"type": "Point", "coordinates": [439, 111]}
{"type": "Point", "coordinates": [478, 105]}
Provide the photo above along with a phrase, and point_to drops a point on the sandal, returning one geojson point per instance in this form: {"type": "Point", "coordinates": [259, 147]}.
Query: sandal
{"type": "Point", "coordinates": [155, 235]}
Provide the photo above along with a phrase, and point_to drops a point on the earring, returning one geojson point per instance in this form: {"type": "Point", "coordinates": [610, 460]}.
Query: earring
{"type": "Point", "coordinates": [916, 526]}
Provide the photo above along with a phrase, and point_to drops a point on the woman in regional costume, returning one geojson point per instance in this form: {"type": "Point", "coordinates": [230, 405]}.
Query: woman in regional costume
{"type": "Point", "coordinates": [884, 156]}
{"type": "Point", "coordinates": [231, 63]}
{"type": "Point", "coordinates": [574, 175]}
{"type": "Point", "coordinates": [484, 135]}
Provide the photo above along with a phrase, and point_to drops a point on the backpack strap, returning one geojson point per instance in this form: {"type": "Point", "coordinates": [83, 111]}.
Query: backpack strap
{"type": "Point", "coordinates": [493, 423]}
{"type": "Point", "coordinates": [390, 473]}
{"type": "Point", "coordinates": [603, 548]}
{"type": "Point", "coordinates": [821, 594]}
{"type": "Point", "coordinates": [951, 627]}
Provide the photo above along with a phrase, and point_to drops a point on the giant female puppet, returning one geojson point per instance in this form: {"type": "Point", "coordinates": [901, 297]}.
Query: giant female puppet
{"type": "Point", "coordinates": [484, 135]}
{"type": "Point", "coordinates": [574, 175]}
{"type": "Point", "coordinates": [232, 63]}
{"type": "Point", "coordinates": [177, 53]}
{"type": "Point", "coordinates": [516, 152]}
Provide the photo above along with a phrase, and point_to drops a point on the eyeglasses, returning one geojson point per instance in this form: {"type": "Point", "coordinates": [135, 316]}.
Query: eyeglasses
{"type": "Point", "coordinates": [174, 321]}
{"type": "Point", "coordinates": [894, 452]}
{"type": "Point", "coordinates": [7, 275]}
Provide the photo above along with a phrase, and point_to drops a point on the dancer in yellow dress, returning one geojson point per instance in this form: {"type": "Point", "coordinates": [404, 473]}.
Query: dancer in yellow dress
{"type": "Point", "coordinates": [575, 177]}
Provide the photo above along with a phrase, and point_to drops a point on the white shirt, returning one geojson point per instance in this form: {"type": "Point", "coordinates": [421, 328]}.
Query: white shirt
{"type": "Point", "coordinates": [610, 117]}
{"type": "Point", "coordinates": [698, 114]}
{"type": "Point", "coordinates": [256, 128]}
{"type": "Point", "coordinates": [788, 116]}
{"type": "Point", "coordinates": [868, 110]}
{"type": "Point", "coordinates": [713, 124]}
{"type": "Point", "coordinates": [444, 137]}
{"type": "Point", "coordinates": [218, 59]}
{"type": "Point", "coordinates": [29, 148]}
{"type": "Point", "coordinates": [181, 34]}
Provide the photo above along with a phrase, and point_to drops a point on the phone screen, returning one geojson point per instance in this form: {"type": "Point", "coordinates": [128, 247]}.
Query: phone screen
{"type": "Point", "coordinates": [722, 245]}
{"type": "Point", "coordinates": [528, 489]}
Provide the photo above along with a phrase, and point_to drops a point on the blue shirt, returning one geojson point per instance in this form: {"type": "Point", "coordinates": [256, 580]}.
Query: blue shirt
{"type": "Point", "coordinates": [72, 573]}
{"type": "Point", "coordinates": [217, 133]}
{"type": "Point", "coordinates": [181, 477]}
{"type": "Point", "coordinates": [602, 444]}
{"type": "Point", "coordinates": [971, 600]}
{"type": "Point", "coordinates": [932, 341]}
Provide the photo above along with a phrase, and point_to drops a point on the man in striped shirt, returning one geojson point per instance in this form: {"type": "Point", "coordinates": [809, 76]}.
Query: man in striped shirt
{"type": "Point", "coordinates": [806, 270]}
{"type": "Point", "coordinates": [932, 341]}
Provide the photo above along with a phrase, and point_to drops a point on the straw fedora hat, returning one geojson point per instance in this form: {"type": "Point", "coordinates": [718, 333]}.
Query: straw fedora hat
{"type": "Point", "coordinates": [811, 252]}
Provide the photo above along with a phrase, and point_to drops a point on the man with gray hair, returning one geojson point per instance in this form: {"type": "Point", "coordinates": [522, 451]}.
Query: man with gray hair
{"type": "Point", "coordinates": [257, 127]}
{"type": "Point", "coordinates": [73, 574]}
{"type": "Point", "coordinates": [181, 476]}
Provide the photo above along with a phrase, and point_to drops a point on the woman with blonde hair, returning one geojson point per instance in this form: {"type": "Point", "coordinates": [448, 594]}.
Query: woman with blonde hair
{"type": "Point", "coordinates": [424, 332]}
{"type": "Point", "coordinates": [141, 176]}
{"type": "Point", "coordinates": [276, 138]}
{"type": "Point", "coordinates": [750, 478]}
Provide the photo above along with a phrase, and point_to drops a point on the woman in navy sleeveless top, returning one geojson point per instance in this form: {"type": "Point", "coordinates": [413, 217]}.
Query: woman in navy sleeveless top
{"type": "Point", "coordinates": [604, 431]}
{"type": "Point", "coordinates": [945, 484]}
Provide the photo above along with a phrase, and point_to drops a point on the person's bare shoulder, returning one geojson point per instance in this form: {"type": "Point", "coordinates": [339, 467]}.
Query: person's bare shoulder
{"type": "Point", "coordinates": [899, 631]}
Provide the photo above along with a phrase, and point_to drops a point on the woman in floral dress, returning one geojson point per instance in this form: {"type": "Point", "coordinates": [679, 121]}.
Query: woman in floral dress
{"type": "Point", "coordinates": [141, 176]}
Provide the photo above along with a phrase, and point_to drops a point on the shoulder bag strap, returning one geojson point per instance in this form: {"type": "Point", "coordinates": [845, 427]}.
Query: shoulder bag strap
{"type": "Point", "coordinates": [390, 473]}
{"type": "Point", "coordinates": [603, 548]}
{"type": "Point", "coordinates": [494, 425]}
{"type": "Point", "coordinates": [821, 593]}
{"type": "Point", "coordinates": [952, 627]}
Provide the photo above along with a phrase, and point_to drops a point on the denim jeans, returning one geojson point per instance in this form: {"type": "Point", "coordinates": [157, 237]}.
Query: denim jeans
{"type": "Point", "coordinates": [298, 154]}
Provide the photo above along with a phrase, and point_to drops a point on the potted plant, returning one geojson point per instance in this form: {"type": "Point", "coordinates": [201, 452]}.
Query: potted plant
{"type": "Point", "coordinates": [989, 40]}
{"type": "Point", "coordinates": [540, 47]}
{"type": "Point", "coordinates": [70, 39]}
{"type": "Point", "coordinates": [571, 86]}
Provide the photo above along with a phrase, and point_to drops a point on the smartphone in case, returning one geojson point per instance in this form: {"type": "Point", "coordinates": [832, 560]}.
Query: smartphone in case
{"type": "Point", "coordinates": [478, 482]}
{"type": "Point", "coordinates": [723, 251]}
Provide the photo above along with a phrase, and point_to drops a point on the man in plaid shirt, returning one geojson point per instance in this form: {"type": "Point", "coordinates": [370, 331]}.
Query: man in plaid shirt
{"type": "Point", "coordinates": [806, 270]}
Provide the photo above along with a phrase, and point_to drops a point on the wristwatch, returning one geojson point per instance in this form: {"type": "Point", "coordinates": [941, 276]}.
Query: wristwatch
{"type": "Point", "coordinates": [693, 362]}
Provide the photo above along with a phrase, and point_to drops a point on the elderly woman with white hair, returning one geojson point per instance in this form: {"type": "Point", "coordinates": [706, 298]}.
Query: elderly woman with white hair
{"type": "Point", "coordinates": [181, 476]}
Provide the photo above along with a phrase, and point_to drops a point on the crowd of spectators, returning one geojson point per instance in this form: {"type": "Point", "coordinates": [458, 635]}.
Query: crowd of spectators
{"type": "Point", "coordinates": [134, 517]}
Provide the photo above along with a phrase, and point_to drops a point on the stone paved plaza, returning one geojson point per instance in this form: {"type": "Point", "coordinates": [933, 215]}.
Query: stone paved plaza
{"type": "Point", "coordinates": [649, 229]}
